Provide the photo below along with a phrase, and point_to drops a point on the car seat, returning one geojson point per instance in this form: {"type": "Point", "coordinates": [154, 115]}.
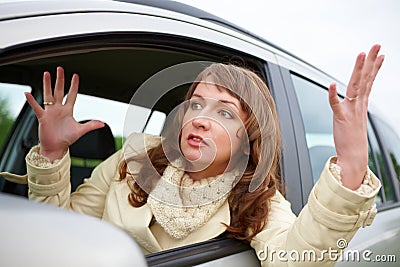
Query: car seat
{"type": "Point", "coordinates": [88, 151]}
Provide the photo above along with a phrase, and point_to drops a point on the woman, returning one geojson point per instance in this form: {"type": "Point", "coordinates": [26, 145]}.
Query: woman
{"type": "Point", "coordinates": [219, 173]}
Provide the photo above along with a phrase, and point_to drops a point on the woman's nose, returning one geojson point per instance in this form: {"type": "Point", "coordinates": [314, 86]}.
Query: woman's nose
{"type": "Point", "coordinates": [201, 122]}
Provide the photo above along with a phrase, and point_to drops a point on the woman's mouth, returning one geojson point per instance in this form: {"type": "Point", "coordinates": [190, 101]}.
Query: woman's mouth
{"type": "Point", "coordinates": [196, 140]}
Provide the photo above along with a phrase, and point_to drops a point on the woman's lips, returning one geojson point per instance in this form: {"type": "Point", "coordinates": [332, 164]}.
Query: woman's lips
{"type": "Point", "coordinates": [196, 140]}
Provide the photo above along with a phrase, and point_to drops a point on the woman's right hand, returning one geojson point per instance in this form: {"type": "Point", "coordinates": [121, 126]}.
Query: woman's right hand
{"type": "Point", "coordinates": [57, 127]}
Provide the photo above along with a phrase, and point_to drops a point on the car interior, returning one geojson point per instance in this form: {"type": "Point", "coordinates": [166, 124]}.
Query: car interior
{"type": "Point", "coordinates": [95, 145]}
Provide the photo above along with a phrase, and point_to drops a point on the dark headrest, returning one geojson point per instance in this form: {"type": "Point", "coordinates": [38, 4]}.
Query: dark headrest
{"type": "Point", "coordinates": [97, 144]}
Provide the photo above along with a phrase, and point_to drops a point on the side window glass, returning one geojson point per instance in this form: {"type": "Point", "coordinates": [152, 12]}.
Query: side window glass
{"type": "Point", "coordinates": [318, 125]}
{"type": "Point", "coordinates": [12, 100]}
{"type": "Point", "coordinates": [392, 144]}
{"type": "Point", "coordinates": [317, 119]}
{"type": "Point", "coordinates": [377, 165]}
{"type": "Point", "coordinates": [379, 199]}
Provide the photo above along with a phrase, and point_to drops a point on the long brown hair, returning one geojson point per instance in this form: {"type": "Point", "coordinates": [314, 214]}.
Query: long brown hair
{"type": "Point", "coordinates": [249, 204]}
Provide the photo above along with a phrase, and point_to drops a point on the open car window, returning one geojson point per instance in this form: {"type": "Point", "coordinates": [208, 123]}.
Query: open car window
{"type": "Point", "coordinates": [11, 102]}
{"type": "Point", "coordinates": [109, 76]}
{"type": "Point", "coordinates": [114, 113]}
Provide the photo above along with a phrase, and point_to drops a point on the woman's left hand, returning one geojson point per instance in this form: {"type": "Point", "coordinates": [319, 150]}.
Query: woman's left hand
{"type": "Point", "coordinates": [350, 118]}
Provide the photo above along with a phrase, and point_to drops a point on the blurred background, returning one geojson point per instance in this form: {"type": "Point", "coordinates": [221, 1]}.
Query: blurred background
{"type": "Point", "coordinates": [328, 34]}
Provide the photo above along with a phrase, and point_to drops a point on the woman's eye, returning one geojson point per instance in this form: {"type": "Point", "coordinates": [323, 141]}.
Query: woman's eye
{"type": "Point", "coordinates": [195, 106]}
{"type": "Point", "coordinates": [226, 114]}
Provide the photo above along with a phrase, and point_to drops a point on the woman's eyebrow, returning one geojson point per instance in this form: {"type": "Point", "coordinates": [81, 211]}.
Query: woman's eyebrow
{"type": "Point", "coordinates": [229, 102]}
{"type": "Point", "coordinates": [222, 101]}
{"type": "Point", "coordinates": [197, 95]}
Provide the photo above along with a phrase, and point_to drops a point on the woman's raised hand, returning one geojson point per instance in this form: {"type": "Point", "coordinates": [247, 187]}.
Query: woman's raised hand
{"type": "Point", "coordinates": [350, 118]}
{"type": "Point", "coordinates": [57, 127]}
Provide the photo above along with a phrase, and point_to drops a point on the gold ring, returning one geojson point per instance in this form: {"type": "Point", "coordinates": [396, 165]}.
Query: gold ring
{"type": "Point", "coordinates": [48, 103]}
{"type": "Point", "coordinates": [352, 98]}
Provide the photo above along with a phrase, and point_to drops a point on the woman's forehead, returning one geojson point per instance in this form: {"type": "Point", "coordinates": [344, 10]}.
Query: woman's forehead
{"type": "Point", "coordinates": [212, 90]}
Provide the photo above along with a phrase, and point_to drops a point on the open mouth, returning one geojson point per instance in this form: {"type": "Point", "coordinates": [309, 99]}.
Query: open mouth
{"type": "Point", "coordinates": [196, 140]}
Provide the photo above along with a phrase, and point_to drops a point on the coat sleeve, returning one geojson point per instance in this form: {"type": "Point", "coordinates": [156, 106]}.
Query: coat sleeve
{"type": "Point", "coordinates": [331, 217]}
{"type": "Point", "coordinates": [52, 185]}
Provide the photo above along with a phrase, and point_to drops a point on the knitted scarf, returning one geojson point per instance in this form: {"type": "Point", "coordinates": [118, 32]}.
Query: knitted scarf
{"type": "Point", "coordinates": [181, 205]}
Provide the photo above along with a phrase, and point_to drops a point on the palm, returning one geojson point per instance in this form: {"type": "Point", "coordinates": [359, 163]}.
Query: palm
{"type": "Point", "coordinates": [57, 127]}
{"type": "Point", "coordinates": [350, 130]}
{"type": "Point", "coordinates": [350, 118]}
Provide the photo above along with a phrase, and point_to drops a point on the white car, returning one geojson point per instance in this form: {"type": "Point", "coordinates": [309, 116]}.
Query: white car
{"type": "Point", "coordinates": [116, 46]}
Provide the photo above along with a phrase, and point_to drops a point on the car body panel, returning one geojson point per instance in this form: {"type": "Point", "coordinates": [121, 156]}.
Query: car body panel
{"type": "Point", "coordinates": [35, 234]}
{"type": "Point", "coordinates": [76, 20]}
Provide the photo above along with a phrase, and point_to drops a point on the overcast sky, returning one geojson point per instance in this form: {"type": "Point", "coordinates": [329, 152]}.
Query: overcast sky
{"type": "Point", "coordinates": [328, 34]}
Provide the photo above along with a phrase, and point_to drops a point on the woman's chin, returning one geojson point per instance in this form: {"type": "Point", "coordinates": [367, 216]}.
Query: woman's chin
{"type": "Point", "coordinates": [199, 161]}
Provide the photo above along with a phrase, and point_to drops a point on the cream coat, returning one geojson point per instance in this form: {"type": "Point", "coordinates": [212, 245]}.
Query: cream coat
{"type": "Point", "coordinates": [332, 211]}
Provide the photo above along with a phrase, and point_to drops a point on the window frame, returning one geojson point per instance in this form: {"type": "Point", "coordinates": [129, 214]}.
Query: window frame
{"type": "Point", "coordinates": [387, 161]}
{"type": "Point", "coordinates": [199, 253]}
{"type": "Point", "coordinates": [290, 162]}
{"type": "Point", "coordinates": [305, 169]}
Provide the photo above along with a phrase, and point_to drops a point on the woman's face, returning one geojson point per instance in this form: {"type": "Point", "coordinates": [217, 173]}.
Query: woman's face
{"type": "Point", "coordinates": [213, 129]}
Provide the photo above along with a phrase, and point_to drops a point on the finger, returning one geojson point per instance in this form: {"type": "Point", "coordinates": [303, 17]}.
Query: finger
{"type": "Point", "coordinates": [59, 87]}
{"type": "Point", "coordinates": [367, 76]}
{"type": "Point", "coordinates": [37, 109]}
{"type": "Point", "coordinates": [90, 126]}
{"type": "Point", "coordinates": [354, 83]}
{"type": "Point", "coordinates": [47, 93]}
{"type": "Point", "coordinates": [377, 66]}
{"type": "Point", "coordinates": [73, 90]}
{"type": "Point", "coordinates": [333, 97]}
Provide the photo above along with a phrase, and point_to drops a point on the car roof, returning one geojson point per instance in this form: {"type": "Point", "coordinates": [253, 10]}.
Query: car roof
{"type": "Point", "coordinates": [22, 8]}
{"type": "Point", "coordinates": [164, 8]}
{"type": "Point", "coordinates": [17, 9]}
{"type": "Point", "coordinates": [200, 14]}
